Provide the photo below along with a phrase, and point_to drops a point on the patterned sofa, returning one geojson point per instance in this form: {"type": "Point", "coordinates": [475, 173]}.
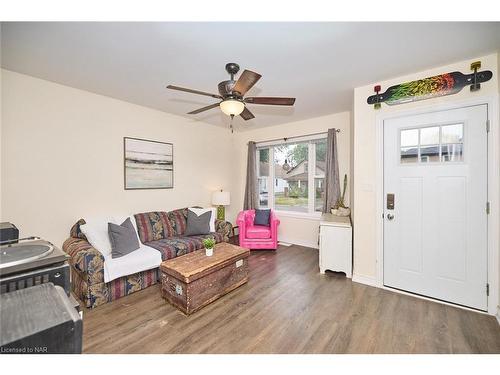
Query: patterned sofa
{"type": "Point", "coordinates": [163, 231]}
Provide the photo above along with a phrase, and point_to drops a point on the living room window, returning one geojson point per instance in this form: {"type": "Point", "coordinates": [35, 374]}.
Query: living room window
{"type": "Point", "coordinates": [291, 176]}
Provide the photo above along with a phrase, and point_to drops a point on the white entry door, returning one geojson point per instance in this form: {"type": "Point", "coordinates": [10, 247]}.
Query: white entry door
{"type": "Point", "coordinates": [435, 197]}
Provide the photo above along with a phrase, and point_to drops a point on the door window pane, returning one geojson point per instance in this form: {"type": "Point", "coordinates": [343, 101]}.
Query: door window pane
{"type": "Point", "coordinates": [291, 177]}
{"type": "Point", "coordinates": [409, 137]}
{"type": "Point", "coordinates": [452, 133]}
{"type": "Point", "coordinates": [409, 154]}
{"type": "Point", "coordinates": [434, 144]}
{"type": "Point", "coordinates": [429, 136]}
{"type": "Point", "coordinates": [452, 152]}
{"type": "Point", "coordinates": [429, 154]}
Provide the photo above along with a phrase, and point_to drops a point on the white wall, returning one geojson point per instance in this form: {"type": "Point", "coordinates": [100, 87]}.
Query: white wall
{"type": "Point", "coordinates": [498, 307]}
{"type": "Point", "coordinates": [365, 157]}
{"type": "Point", "coordinates": [63, 157]}
{"type": "Point", "coordinates": [294, 230]}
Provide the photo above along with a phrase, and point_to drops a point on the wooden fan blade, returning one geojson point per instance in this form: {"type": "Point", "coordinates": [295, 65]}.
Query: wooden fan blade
{"type": "Point", "coordinates": [246, 81]}
{"type": "Point", "coordinates": [270, 100]}
{"type": "Point", "coordinates": [246, 114]}
{"type": "Point", "coordinates": [172, 87]}
{"type": "Point", "coordinates": [203, 109]}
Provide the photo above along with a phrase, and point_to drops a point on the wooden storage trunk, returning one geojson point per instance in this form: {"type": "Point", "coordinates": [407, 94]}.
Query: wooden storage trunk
{"type": "Point", "coordinates": [194, 280]}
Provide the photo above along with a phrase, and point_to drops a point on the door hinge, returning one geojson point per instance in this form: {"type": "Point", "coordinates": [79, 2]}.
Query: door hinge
{"type": "Point", "coordinates": [487, 208]}
{"type": "Point", "coordinates": [488, 289]}
{"type": "Point", "coordinates": [487, 126]}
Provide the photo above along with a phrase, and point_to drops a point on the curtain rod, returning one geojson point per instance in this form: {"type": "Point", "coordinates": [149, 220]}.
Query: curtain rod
{"type": "Point", "coordinates": [298, 136]}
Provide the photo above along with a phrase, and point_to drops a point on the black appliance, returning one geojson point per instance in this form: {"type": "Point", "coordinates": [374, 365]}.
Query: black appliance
{"type": "Point", "coordinates": [8, 233]}
{"type": "Point", "coordinates": [30, 262]}
{"type": "Point", "coordinates": [40, 319]}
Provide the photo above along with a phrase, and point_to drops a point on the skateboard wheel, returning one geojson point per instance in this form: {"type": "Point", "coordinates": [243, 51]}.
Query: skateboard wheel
{"type": "Point", "coordinates": [377, 105]}
{"type": "Point", "coordinates": [376, 88]}
{"type": "Point", "coordinates": [475, 65]}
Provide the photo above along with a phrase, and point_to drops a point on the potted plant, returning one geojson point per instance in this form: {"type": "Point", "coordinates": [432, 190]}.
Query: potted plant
{"type": "Point", "coordinates": [209, 244]}
{"type": "Point", "coordinates": [340, 208]}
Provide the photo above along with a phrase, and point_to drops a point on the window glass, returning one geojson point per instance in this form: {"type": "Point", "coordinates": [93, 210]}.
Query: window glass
{"type": "Point", "coordinates": [320, 147]}
{"type": "Point", "coordinates": [263, 162]}
{"type": "Point", "coordinates": [433, 144]}
{"type": "Point", "coordinates": [452, 133]}
{"type": "Point", "coordinates": [291, 177]}
{"type": "Point", "coordinates": [263, 176]}
{"type": "Point", "coordinates": [319, 193]}
{"type": "Point", "coordinates": [263, 192]}
{"type": "Point", "coordinates": [409, 137]}
{"type": "Point", "coordinates": [452, 152]}
{"type": "Point", "coordinates": [429, 136]}
{"type": "Point", "coordinates": [409, 154]}
{"type": "Point", "coordinates": [429, 153]}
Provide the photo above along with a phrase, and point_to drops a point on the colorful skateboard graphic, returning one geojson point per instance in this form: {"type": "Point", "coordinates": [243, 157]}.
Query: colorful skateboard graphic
{"type": "Point", "coordinates": [441, 85]}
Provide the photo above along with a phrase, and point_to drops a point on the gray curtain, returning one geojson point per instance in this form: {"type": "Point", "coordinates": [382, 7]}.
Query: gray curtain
{"type": "Point", "coordinates": [332, 184]}
{"type": "Point", "coordinates": [251, 195]}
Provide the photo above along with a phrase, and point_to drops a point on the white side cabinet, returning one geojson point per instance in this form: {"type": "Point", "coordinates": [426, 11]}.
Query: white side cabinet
{"type": "Point", "coordinates": [335, 244]}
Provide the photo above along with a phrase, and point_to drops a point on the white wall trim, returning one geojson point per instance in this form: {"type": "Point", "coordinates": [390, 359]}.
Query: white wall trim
{"type": "Point", "coordinates": [299, 242]}
{"type": "Point", "coordinates": [316, 216]}
{"type": "Point", "coordinates": [493, 185]}
{"type": "Point", "coordinates": [498, 314]}
{"type": "Point", "coordinates": [367, 280]}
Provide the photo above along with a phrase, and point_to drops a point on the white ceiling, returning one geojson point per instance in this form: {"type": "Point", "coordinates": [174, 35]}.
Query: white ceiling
{"type": "Point", "coordinates": [318, 63]}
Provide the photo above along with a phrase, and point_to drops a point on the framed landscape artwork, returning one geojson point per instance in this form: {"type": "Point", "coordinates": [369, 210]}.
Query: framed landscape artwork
{"type": "Point", "coordinates": [148, 164]}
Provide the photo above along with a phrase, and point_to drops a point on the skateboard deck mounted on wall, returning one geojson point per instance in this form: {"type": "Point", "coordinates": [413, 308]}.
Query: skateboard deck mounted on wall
{"type": "Point", "coordinates": [431, 87]}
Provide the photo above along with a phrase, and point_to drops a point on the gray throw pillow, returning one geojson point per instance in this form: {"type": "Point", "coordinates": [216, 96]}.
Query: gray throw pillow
{"type": "Point", "coordinates": [197, 225]}
{"type": "Point", "coordinates": [123, 238]}
{"type": "Point", "coordinates": [262, 217]}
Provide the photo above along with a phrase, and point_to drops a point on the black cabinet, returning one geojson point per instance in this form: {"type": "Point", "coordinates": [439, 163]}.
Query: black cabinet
{"type": "Point", "coordinates": [40, 319]}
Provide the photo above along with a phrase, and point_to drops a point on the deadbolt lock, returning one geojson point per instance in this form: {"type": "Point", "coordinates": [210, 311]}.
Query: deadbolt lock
{"type": "Point", "coordinates": [390, 201]}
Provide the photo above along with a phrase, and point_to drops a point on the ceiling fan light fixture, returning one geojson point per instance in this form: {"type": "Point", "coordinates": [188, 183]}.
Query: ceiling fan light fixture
{"type": "Point", "coordinates": [232, 107]}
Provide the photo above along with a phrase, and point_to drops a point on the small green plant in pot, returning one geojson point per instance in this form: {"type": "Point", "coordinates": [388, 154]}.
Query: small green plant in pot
{"type": "Point", "coordinates": [209, 244]}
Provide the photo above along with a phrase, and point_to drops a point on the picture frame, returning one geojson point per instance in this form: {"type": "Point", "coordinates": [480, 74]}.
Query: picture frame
{"type": "Point", "coordinates": [147, 164]}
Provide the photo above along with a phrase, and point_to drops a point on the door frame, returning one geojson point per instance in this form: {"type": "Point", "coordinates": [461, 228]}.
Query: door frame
{"type": "Point", "coordinates": [493, 186]}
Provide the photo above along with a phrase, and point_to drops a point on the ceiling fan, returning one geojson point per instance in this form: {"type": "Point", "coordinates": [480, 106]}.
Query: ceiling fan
{"type": "Point", "coordinates": [231, 94]}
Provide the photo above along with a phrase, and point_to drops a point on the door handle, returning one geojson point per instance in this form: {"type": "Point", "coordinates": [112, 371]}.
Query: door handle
{"type": "Point", "coordinates": [390, 216]}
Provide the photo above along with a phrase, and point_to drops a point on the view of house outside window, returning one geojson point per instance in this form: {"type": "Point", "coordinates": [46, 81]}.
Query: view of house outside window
{"type": "Point", "coordinates": [294, 166]}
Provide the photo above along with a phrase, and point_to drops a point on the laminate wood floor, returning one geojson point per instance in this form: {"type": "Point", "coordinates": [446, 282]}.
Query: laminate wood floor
{"type": "Point", "coordinates": [289, 307]}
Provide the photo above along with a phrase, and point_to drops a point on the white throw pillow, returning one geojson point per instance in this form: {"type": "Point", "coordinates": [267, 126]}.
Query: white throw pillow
{"type": "Point", "coordinates": [201, 211]}
{"type": "Point", "coordinates": [96, 231]}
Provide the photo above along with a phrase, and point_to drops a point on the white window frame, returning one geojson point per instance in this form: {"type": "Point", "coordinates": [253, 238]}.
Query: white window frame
{"type": "Point", "coordinates": [311, 213]}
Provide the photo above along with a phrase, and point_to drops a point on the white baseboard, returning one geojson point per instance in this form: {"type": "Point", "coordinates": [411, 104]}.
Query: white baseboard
{"type": "Point", "coordinates": [300, 243]}
{"type": "Point", "coordinates": [367, 280]}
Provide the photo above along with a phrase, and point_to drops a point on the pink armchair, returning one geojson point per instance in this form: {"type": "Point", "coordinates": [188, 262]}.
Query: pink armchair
{"type": "Point", "coordinates": [257, 237]}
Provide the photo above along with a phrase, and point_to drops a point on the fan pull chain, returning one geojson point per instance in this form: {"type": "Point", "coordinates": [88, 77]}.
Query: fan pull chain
{"type": "Point", "coordinates": [231, 124]}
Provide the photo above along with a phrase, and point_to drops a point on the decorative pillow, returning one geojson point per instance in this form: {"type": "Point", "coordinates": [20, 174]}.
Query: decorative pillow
{"type": "Point", "coordinates": [199, 211]}
{"type": "Point", "coordinates": [178, 220]}
{"type": "Point", "coordinates": [153, 226]}
{"type": "Point", "coordinates": [197, 225]}
{"type": "Point", "coordinates": [123, 238]}
{"type": "Point", "coordinates": [262, 217]}
{"type": "Point", "coordinates": [96, 232]}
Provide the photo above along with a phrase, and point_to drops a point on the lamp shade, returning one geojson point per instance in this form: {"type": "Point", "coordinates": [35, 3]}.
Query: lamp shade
{"type": "Point", "coordinates": [221, 198]}
{"type": "Point", "coordinates": [232, 107]}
